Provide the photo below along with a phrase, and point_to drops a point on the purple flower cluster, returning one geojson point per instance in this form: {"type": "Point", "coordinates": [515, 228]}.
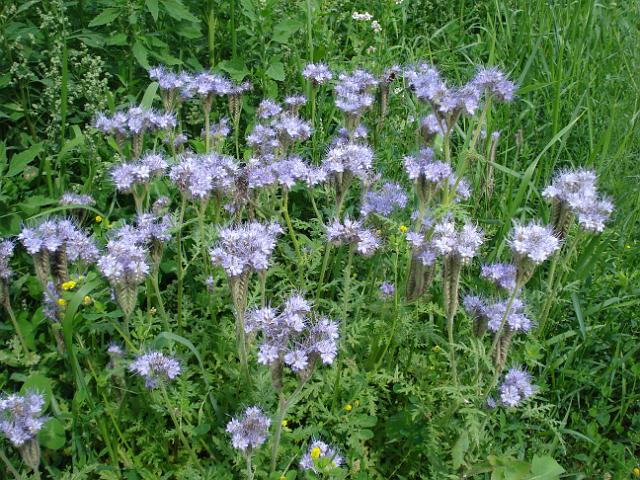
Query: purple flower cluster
{"type": "Point", "coordinates": [353, 232]}
{"type": "Point", "coordinates": [320, 451]}
{"type": "Point", "coordinates": [197, 176]}
{"type": "Point", "coordinates": [250, 430]}
{"type": "Point", "coordinates": [502, 275]}
{"type": "Point", "coordinates": [533, 242]}
{"type": "Point", "coordinates": [149, 229]}
{"type": "Point", "coordinates": [463, 242]}
{"type": "Point", "coordinates": [492, 314]}
{"type": "Point", "coordinates": [6, 252]}
{"type": "Point", "coordinates": [348, 157]}
{"type": "Point", "coordinates": [577, 190]}
{"type": "Point", "coordinates": [245, 248]}
{"type": "Point", "coordinates": [516, 387]}
{"type": "Point", "coordinates": [206, 85]}
{"type": "Point", "coordinates": [317, 73]}
{"type": "Point", "coordinates": [427, 83]}
{"type": "Point", "coordinates": [135, 121]}
{"type": "Point", "coordinates": [21, 417]}
{"type": "Point", "coordinates": [284, 173]}
{"type": "Point", "coordinates": [155, 367]}
{"type": "Point", "coordinates": [125, 262]}
{"type": "Point", "coordinates": [354, 92]}
{"type": "Point", "coordinates": [294, 335]}
{"type": "Point", "coordinates": [126, 175]}
{"type": "Point", "coordinates": [383, 202]}
{"type": "Point", "coordinates": [71, 198]}
{"type": "Point", "coordinates": [168, 80]}
{"type": "Point", "coordinates": [53, 235]}
{"type": "Point", "coordinates": [433, 175]}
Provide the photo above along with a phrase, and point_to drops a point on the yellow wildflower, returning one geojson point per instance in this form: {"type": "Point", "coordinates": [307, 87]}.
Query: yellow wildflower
{"type": "Point", "coordinates": [403, 229]}
{"type": "Point", "coordinates": [348, 407]}
{"type": "Point", "coordinates": [315, 453]}
{"type": "Point", "coordinates": [70, 285]}
{"type": "Point", "coordinates": [86, 300]}
{"type": "Point", "coordinates": [62, 302]}
{"type": "Point", "coordinates": [98, 218]}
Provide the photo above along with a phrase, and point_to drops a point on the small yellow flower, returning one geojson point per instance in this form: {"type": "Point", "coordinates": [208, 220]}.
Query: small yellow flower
{"type": "Point", "coordinates": [636, 472]}
{"type": "Point", "coordinates": [315, 453]}
{"type": "Point", "coordinates": [70, 285]}
{"type": "Point", "coordinates": [62, 302]}
{"type": "Point", "coordinates": [403, 229]}
{"type": "Point", "coordinates": [98, 218]}
{"type": "Point", "coordinates": [436, 349]}
{"type": "Point", "coordinates": [348, 407]}
{"type": "Point", "coordinates": [284, 423]}
{"type": "Point", "coordinates": [86, 300]}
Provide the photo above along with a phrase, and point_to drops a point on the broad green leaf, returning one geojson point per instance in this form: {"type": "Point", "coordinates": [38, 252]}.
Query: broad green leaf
{"type": "Point", "coordinates": [152, 6]}
{"type": "Point", "coordinates": [177, 10]}
{"type": "Point", "coordinates": [20, 160]}
{"type": "Point", "coordinates": [117, 39]}
{"type": "Point", "coordinates": [149, 95]}
{"type": "Point", "coordinates": [285, 28]}
{"type": "Point", "coordinates": [236, 69]}
{"type": "Point", "coordinates": [545, 468]}
{"type": "Point", "coordinates": [276, 71]}
{"type": "Point", "coordinates": [107, 16]}
{"type": "Point", "coordinates": [140, 52]}
{"type": "Point", "coordinates": [52, 434]}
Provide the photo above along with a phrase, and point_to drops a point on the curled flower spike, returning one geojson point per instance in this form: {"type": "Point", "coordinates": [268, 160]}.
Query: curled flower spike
{"type": "Point", "coordinates": [502, 275]}
{"type": "Point", "coordinates": [155, 367]}
{"type": "Point", "coordinates": [354, 95]}
{"type": "Point", "coordinates": [387, 290]}
{"type": "Point", "coordinates": [6, 252]}
{"type": "Point", "coordinates": [250, 430]}
{"type": "Point", "coordinates": [198, 176]}
{"type": "Point", "coordinates": [321, 457]}
{"type": "Point", "coordinates": [21, 417]}
{"type": "Point", "coordinates": [495, 83]}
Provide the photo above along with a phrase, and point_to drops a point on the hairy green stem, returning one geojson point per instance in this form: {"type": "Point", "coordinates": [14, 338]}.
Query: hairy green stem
{"type": "Point", "coordinates": [183, 206]}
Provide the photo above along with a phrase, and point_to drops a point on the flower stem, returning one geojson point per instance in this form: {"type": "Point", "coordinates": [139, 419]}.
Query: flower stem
{"type": "Point", "coordinates": [347, 281]}
{"type": "Point", "coordinates": [14, 320]}
{"type": "Point", "coordinates": [183, 206]}
{"type": "Point", "coordinates": [249, 467]}
{"type": "Point", "coordinates": [292, 233]}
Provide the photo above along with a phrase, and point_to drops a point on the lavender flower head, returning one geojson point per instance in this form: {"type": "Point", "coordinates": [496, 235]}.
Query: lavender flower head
{"type": "Point", "coordinates": [351, 158]}
{"type": "Point", "coordinates": [268, 108]}
{"type": "Point", "coordinates": [463, 243]}
{"type": "Point", "coordinates": [21, 417]}
{"type": "Point", "coordinates": [135, 121]}
{"type": "Point", "coordinates": [71, 198]}
{"type": "Point", "coordinates": [353, 92]}
{"type": "Point", "coordinates": [206, 85]}
{"type": "Point", "coordinates": [56, 234]}
{"type": "Point", "coordinates": [390, 197]}
{"type": "Point", "coordinates": [495, 83]}
{"type": "Point", "coordinates": [155, 367]}
{"type": "Point", "coordinates": [516, 319]}
{"type": "Point", "coordinates": [502, 275]}
{"type": "Point", "coordinates": [197, 176]}
{"type": "Point", "coordinates": [516, 387]}
{"type": "Point", "coordinates": [317, 73]}
{"type": "Point", "coordinates": [125, 262]}
{"type": "Point", "coordinates": [245, 248]}
{"type": "Point", "coordinates": [291, 128]}
{"type": "Point", "coordinates": [533, 242]}
{"type": "Point", "coordinates": [250, 430]}
{"type": "Point", "coordinates": [387, 290]}
{"type": "Point", "coordinates": [6, 252]}
{"type": "Point", "coordinates": [320, 452]}
{"type": "Point", "coordinates": [294, 335]}
{"type": "Point", "coordinates": [353, 232]}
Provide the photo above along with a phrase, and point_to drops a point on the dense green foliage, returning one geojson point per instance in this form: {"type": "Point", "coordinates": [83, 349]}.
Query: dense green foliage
{"type": "Point", "coordinates": [392, 415]}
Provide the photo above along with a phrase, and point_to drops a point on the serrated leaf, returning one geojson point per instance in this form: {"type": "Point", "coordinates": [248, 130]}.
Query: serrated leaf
{"type": "Point", "coordinates": [140, 52]}
{"type": "Point", "coordinates": [105, 17]}
{"type": "Point", "coordinates": [177, 10]}
{"type": "Point", "coordinates": [276, 71]}
{"type": "Point", "coordinates": [459, 449]}
{"type": "Point", "coordinates": [20, 160]}
{"type": "Point", "coordinates": [152, 6]}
